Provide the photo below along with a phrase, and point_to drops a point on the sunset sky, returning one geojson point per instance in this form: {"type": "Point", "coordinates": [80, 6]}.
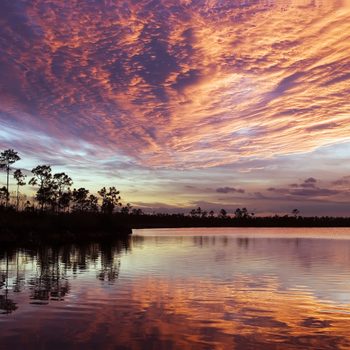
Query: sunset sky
{"type": "Point", "coordinates": [180, 103]}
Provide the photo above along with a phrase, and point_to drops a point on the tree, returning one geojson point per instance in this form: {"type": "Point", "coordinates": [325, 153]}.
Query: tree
{"type": "Point", "coordinates": [193, 213]}
{"type": "Point", "coordinates": [245, 213]}
{"type": "Point", "coordinates": [223, 213]}
{"type": "Point", "coordinates": [110, 199]}
{"type": "Point", "coordinates": [197, 212]}
{"type": "Point", "coordinates": [61, 186]}
{"type": "Point", "coordinates": [43, 178]}
{"type": "Point", "coordinates": [137, 211]}
{"type": "Point", "coordinates": [19, 177]}
{"type": "Point", "coordinates": [238, 213]}
{"type": "Point", "coordinates": [126, 209]}
{"type": "Point", "coordinates": [80, 199]}
{"type": "Point", "coordinates": [28, 206]}
{"type": "Point", "coordinates": [92, 204]}
{"type": "Point", "coordinates": [64, 200]}
{"type": "Point", "coordinates": [3, 195]}
{"type": "Point", "coordinates": [295, 212]}
{"type": "Point", "coordinates": [7, 158]}
{"type": "Point", "coordinates": [211, 213]}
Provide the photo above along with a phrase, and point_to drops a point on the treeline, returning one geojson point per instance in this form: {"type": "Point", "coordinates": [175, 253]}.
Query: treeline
{"type": "Point", "coordinates": [54, 191]}
{"type": "Point", "coordinates": [183, 220]}
{"type": "Point", "coordinates": [54, 194]}
{"type": "Point", "coordinates": [55, 199]}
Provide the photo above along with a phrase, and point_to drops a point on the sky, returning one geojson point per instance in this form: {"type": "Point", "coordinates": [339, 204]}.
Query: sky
{"type": "Point", "coordinates": [180, 103]}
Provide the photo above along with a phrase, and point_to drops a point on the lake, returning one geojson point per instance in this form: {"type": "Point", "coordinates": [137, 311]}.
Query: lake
{"type": "Point", "coordinates": [221, 288]}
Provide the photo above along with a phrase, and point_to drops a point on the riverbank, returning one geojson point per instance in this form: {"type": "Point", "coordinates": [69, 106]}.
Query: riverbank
{"type": "Point", "coordinates": [83, 226]}
{"type": "Point", "coordinates": [37, 227]}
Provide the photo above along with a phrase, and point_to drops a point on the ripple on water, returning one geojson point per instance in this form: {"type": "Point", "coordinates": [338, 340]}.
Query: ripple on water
{"type": "Point", "coordinates": [273, 291]}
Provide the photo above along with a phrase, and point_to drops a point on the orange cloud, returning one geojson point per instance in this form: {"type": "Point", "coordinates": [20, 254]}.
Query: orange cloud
{"type": "Point", "coordinates": [177, 83]}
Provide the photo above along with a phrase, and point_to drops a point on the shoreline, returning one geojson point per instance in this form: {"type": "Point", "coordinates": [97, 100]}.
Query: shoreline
{"type": "Point", "coordinates": [36, 227]}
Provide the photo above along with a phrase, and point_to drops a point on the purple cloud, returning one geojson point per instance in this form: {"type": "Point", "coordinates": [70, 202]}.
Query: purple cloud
{"type": "Point", "coordinates": [229, 190]}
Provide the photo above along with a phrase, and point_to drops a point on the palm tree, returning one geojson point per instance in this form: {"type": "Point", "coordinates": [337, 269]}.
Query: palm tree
{"type": "Point", "coordinates": [7, 158]}
{"type": "Point", "coordinates": [19, 177]}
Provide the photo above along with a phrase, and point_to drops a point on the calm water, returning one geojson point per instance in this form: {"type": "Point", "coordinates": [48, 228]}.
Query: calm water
{"type": "Point", "coordinates": [181, 289]}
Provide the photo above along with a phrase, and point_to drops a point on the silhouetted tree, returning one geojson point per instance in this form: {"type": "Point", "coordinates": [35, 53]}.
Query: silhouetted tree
{"type": "Point", "coordinates": [238, 213]}
{"type": "Point", "coordinates": [196, 212]}
{"type": "Point", "coordinates": [193, 213]}
{"type": "Point", "coordinates": [126, 209]}
{"type": "Point", "coordinates": [43, 178]}
{"type": "Point", "coordinates": [110, 199]}
{"type": "Point", "coordinates": [295, 212]}
{"type": "Point", "coordinates": [223, 213]}
{"type": "Point", "coordinates": [211, 213]}
{"type": "Point", "coordinates": [3, 195]}
{"type": "Point", "coordinates": [28, 206]}
{"type": "Point", "coordinates": [7, 158]}
{"type": "Point", "coordinates": [61, 187]}
{"type": "Point", "coordinates": [242, 213]}
{"type": "Point", "coordinates": [80, 199]}
{"type": "Point", "coordinates": [137, 211]}
{"type": "Point", "coordinates": [65, 200]}
{"type": "Point", "coordinates": [19, 177]}
{"type": "Point", "coordinates": [92, 204]}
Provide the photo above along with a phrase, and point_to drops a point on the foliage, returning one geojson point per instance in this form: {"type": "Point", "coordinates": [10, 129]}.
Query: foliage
{"type": "Point", "coordinates": [7, 158]}
{"type": "Point", "coordinates": [110, 199]}
{"type": "Point", "coordinates": [223, 213]}
{"type": "Point", "coordinates": [20, 179]}
{"type": "Point", "coordinates": [241, 213]}
{"type": "Point", "coordinates": [42, 177]}
{"type": "Point", "coordinates": [126, 209]}
{"type": "Point", "coordinates": [3, 195]}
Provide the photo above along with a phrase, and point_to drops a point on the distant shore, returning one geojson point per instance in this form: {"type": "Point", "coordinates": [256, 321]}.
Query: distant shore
{"type": "Point", "coordinates": [61, 227]}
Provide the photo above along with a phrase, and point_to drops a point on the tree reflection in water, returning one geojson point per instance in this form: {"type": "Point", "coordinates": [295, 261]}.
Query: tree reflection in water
{"type": "Point", "coordinates": [7, 305]}
{"type": "Point", "coordinates": [52, 267]}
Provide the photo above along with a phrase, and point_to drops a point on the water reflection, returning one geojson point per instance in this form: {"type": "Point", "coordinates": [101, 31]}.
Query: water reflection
{"type": "Point", "coordinates": [45, 272]}
{"type": "Point", "coordinates": [6, 304]}
{"type": "Point", "coordinates": [179, 292]}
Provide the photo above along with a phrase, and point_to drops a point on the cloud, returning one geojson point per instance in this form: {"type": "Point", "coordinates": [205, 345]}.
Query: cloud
{"type": "Point", "coordinates": [344, 181]}
{"type": "Point", "coordinates": [314, 192]}
{"type": "Point", "coordinates": [157, 95]}
{"type": "Point", "coordinates": [322, 126]}
{"type": "Point", "coordinates": [229, 190]}
{"type": "Point", "coordinates": [177, 84]}
{"type": "Point", "coordinates": [306, 189]}
{"type": "Point", "coordinates": [310, 180]}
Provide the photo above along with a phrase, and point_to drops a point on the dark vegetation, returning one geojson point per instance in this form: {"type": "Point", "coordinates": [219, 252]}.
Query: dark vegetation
{"type": "Point", "coordinates": [182, 220]}
{"type": "Point", "coordinates": [59, 212]}
{"type": "Point", "coordinates": [37, 227]}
